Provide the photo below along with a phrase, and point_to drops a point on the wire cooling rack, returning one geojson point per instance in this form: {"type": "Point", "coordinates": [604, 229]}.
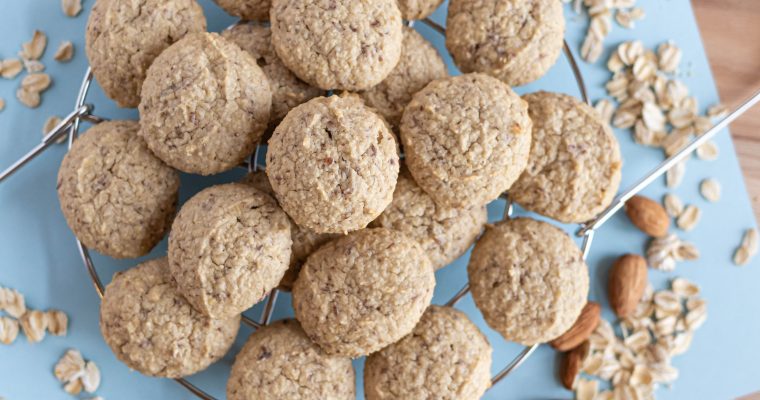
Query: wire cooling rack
{"type": "Point", "coordinates": [70, 127]}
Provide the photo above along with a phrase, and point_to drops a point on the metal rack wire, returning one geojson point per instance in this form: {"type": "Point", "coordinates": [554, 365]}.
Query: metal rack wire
{"type": "Point", "coordinates": [70, 126]}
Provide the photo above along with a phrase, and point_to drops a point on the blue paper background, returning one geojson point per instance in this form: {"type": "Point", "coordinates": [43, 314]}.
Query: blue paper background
{"type": "Point", "coordinates": [38, 255]}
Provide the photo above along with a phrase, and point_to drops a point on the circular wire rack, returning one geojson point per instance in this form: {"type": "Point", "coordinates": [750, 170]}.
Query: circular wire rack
{"type": "Point", "coordinates": [71, 124]}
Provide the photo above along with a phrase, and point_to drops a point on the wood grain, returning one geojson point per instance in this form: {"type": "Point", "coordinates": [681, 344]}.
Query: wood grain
{"type": "Point", "coordinates": [731, 31]}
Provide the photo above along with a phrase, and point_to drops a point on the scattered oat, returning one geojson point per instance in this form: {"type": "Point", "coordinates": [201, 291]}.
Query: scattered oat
{"type": "Point", "coordinates": [718, 111]}
{"type": "Point", "coordinates": [653, 117]}
{"type": "Point", "coordinates": [605, 109]}
{"type": "Point", "coordinates": [2, 104]}
{"type": "Point", "coordinates": [675, 174]}
{"type": "Point", "coordinates": [65, 52]}
{"type": "Point", "coordinates": [36, 82]}
{"type": "Point", "coordinates": [710, 190]}
{"type": "Point", "coordinates": [644, 68]}
{"type": "Point", "coordinates": [592, 48]}
{"type": "Point", "coordinates": [34, 325]}
{"type": "Point", "coordinates": [586, 389]}
{"type": "Point", "coordinates": [748, 248]}
{"type": "Point", "coordinates": [9, 69]}
{"type": "Point", "coordinates": [8, 330]}
{"type": "Point", "coordinates": [673, 205]}
{"type": "Point", "coordinates": [73, 388]}
{"type": "Point", "coordinates": [33, 66]}
{"type": "Point", "coordinates": [708, 151]}
{"type": "Point", "coordinates": [57, 322]}
{"type": "Point", "coordinates": [689, 218]}
{"type": "Point", "coordinates": [684, 288]}
{"type": "Point", "coordinates": [27, 98]}
{"type": "Point", "coordinates": [33, 49]}
{"type": "Point", "coordinates": [664, 252]}
{"type": "Point", "coordinates": [70, 367]}
{"type": "Point", "coordinates": [12, 302]}
{"type": "Point", "coordinates": [627, 18]}
{"type": "Point", "coordinates": [50, 124]}
{"type": "Point", "coordinates": [669, 56]}
{"type": "Point", "coordinates": [71, 8]}
{"type": "Point", "coordinates": [91, 377]}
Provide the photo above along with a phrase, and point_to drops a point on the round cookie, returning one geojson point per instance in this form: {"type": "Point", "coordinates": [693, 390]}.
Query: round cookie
{"type": "Point", "coordinates": [417, 9]}
{"type": "Point", "coordinates": [362, 292]}
{"type": "Point", "coordinates": [305, 241]}
{"type": "Point", "coordinates": [123, 37]}
{"type": "Point", "coordinates": [150, 327]}
{"type": "Point", "coordinates": [445, 357]}
{"type": "Point", "coordinates": [338, 44]}
{"type": "Point", "coordinates": [516, 41]}
{"type": "Point", "coordinates": [116, 196]}
{"type": "Point", "coordinates": [287, 90]}
{"type": "Point", "coordinates": [466, 138]}
{"type": "Point", "coordinates": [249, 10]}
{"type": "Point", "coordinates": [205, 105]}
{"type": "Point", "coordinates": [574, 167]}
{"type": "Point", "coordinates": [529, 280]}
{"type": "Point", "coordinates": [419, 65]}
{"type": "Point", "coordinates": [280, 362]}
{"type": "Point", "coordinates": [228, 247]}
{"type": "Point", "coordinates": [333, 164]}
{"type": "Point", "coordinates": [444, 233]}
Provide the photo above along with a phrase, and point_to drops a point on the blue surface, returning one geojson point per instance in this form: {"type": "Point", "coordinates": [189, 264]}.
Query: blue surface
{"type": "Point", "coordinates": [38, 256]}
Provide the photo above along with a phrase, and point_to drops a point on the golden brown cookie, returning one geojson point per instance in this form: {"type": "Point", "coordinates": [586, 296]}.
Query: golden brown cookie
{"type": "Point", "coordinates": [444, 233]}
{"type": "Point", "coordinates": [117, 197]}
{"type": "Point", "coordinates": [228, 247]}
{"type": "Point", "coordinates": [123, 37]}
{"type": "Point", "coordinates": [338, 44]}
{"type": "Point", "coordinates": [445, 357]}
{"type": "Point", "coordinates": [205, 105]}
{"type": "Point", "coordinates": [419, 65]}
{"type": "Point", "coordinates": [466, 138]}
{"type": "Point", "coordinates": [333, 164]}
{"type": "Point", "coordinates": [150, 327]}
{"type": "Point", "coordinates": [574, 167]}
{"type": "Point", "coordinates": [529, 280]}
{"type": "Point", "coordinates": [516, 41]}
{"type": "Point", "coordinates": [279, 362]}
{"type": "Point", "coordinates": [362, 292]}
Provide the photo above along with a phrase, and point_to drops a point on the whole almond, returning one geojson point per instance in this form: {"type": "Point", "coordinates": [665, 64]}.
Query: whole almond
{"type": "Point", "coordinates": [648, 215]}
{"type": "Point", "coordinates": [628, 280]}
{"type": "Point", "coordinates": [580, 331]}
{"type": "Point", "coordinates": [571, 364]}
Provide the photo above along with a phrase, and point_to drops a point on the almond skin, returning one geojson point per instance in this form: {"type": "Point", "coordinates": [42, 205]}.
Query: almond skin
{"type": "Point", "coordinates": [580, 331]}
{"type": "Point", "coordinates": [648, 215]}
{"type": "Point", "coordinates": [628, 280]}
{"type": "Point", "coordinates": [571, 363]}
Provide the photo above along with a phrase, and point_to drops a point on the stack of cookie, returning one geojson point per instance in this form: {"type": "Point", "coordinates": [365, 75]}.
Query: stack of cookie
{"type": "Point", "coordinates": [339, 89]}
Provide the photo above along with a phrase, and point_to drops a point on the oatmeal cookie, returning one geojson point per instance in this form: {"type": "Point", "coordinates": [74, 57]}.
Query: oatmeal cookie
{"type": "Point", "coordinates": [287, 90]}
{"type": "Point", "coordinates": [516, 41]}
{"type": "Point", "coordinates": [338, 44]}
{"type": "Point", "coordinates": [444, 233]}
{"type": "Point", "coordinates": [529, 280]}
{"type": "Point", "coordinates": [116, 196]}
{"type": "Point", "coordinates": [419, 65]}
{"type": "Point", "coordinates": [417, 9]}
{"type": "Point", "coordinates": [123, 37]}
{"type": "Point", "coordinates": [305, 241]}
{"type": "Point", "coordinates": [150, 327]}
{"type": "Point", "coordinates": [574, 166]}
{"type": "Point", "coordinates": [333, 164]}
{"type": "Point", "coordinates": [249, 10]}
{"type": "Point", "coordinates": [205, 105]}
{"type": "Point", "coordinates": [445, 357]}
{"type": "Point", "coordinates": [466, 138]}
{"type": "Point", "coordinates": [280, 362]}
{"type": "Point", "coordinates": [362, 292]}
{"type": "Point", "coordinates": [228, 247]}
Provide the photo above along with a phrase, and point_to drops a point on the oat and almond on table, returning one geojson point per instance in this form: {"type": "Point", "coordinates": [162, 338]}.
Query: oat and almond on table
{"type": "Point", "coordinates": [378, 171]}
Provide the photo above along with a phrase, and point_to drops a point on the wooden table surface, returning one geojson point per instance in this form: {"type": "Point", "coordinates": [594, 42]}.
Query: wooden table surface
{"type": "Point", "coordinates": [731, 34]}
